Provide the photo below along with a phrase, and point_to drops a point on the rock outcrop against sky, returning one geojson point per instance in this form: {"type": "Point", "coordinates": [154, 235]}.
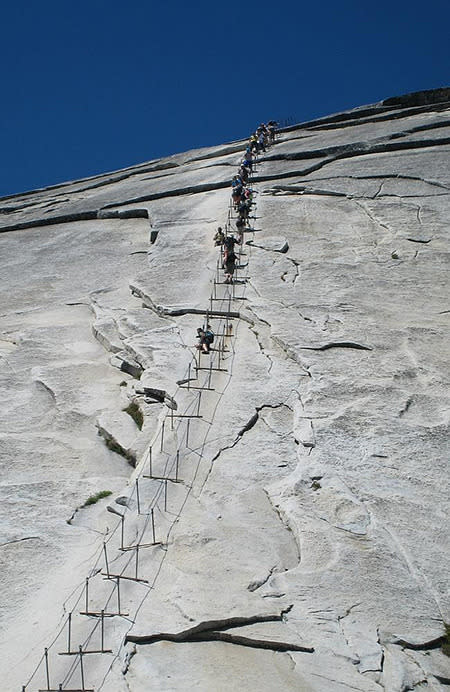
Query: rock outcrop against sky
{"type": "Point", "coordinates": [301, 539]}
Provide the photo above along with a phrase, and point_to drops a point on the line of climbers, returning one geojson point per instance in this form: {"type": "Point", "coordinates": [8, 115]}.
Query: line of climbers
{"type": "Point", "coordinates": [242, 201]}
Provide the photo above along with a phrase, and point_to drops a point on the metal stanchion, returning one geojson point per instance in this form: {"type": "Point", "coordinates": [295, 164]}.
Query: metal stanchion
{"type": "Point", "coordinates": [162, 435]}
{"type": "Point", "coordinates": [150, 459]}
{"type": "Point", "coordinates": [103, 631]}
{"type": "Point", "coordinates": [47, 672]}
{"type": "Point", "coordinates": [106, 559]}
{"type": "Point", "coordinates": [137, 496]}
{"type": "Point", "coordinates": [153, 525]}
{"type": "Point", "coordinates": [87, 595]}
{"type": "Point", "coordinates": [137, 561]}
{"type": "Point", "coordinates": [118, 594]}
{"type": "Point", "coordinates": [81, 667]}
{"type": "Point", "coordinates": [69, 634]}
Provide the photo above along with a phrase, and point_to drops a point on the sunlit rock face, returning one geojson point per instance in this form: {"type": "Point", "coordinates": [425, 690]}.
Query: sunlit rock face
{"type": "Point", "coordinates": [301, 539]}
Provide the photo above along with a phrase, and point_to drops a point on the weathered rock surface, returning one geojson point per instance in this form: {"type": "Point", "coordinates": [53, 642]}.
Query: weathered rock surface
{"type": "Point", "coordinates": [301, 539]}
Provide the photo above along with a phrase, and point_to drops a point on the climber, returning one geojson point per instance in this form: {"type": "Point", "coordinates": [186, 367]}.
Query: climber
{"type": "Point", "coordinates": [244, 174]}
{"type": "Point", "coordinates": [244, 209]}
{"type": "Point", "coordinates": [272, 124]}
{"type": "Point", "coordinates": [248, 163]}
{"type": "Point", "coordinates": [240, 226]}
{"type": "Point", "coordinates": [261, 141]}
{"type": "Point", "coordinates": [229, 243]}
{"type": "Point", "coordinates": [203, 344]}
{"type": "Point", "coordinates": [248, 194]}
{"type": "Point", "coordinates": [219, 237]}
{"type": "Point", "coordinates": [254, 143]}
{"type": "Point", "coordinates": [209, 335]}
{"type": "Point", "coordinates": [230, 266]}
{"type": "Point", "coordinates": [237, 195]}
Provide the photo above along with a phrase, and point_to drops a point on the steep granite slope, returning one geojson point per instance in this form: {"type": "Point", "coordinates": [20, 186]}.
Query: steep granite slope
{"type": "Point", "coordinates": [285, 524]}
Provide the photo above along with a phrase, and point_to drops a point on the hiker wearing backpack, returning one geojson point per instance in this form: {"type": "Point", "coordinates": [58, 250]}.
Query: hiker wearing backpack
{"type": "Point", "coordinates": [271, 125]}
{"type": "Point", "coordinates": [261, 141]}
{"type": "Point", "coordinates": [230, 266]}
{"type": "Point", "coordinates": [240, 227]}
{"type": "Point", "coordinates": [203, 343]}
{"type": "Point", "coordinates": [209, 336]}
{"type": "Point", "coordinates": [244, 174]}
{"type": "Point", "coordinates": [229, 243]}
{"type": "Point", "coordinates": [244, 209]}
{"type": "Point", "coordinates": [237, 195]}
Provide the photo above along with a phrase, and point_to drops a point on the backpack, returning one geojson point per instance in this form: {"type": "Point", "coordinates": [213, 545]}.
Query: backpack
{"type": "Point", "coordinates": [209, 336]}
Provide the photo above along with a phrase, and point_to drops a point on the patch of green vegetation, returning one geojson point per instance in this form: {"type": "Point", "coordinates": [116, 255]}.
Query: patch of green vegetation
{"type": "Point", "coordinates": [114, 447]}
{"type": "Point", "coordinates": [446, 642]}
{"type": "Point", "coordinates": [315, 485]}
{"type": "Point", "coordinates": [123, 383]}
{"type": "Point", "coordinates": [135, 412]}
{"type": "Point", "coordinates": [92, 499]}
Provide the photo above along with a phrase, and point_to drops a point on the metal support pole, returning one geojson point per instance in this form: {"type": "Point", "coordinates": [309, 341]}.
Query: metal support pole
{"type": "Point", "coordinates": [150, 454]}
{"type": "Point", "coordinates": [103, 630]}
{"type": "Point", "coordinates": [210, 373]}
{"type": "Point", "coordinates": [162, 434]}
{"type": "Point", "coordinates": [165, 495]}
{"type": "Point", "coordinates": [122, 521]}
{"type": "Point", "coordinates": [47, 673]}
{"type": "Point", "coordinates": [188, 428]}
{"type": "Point", "coordinates": [189, 376]}
{"type": "Point", "coordinates": [137, 561]}
{"type": "Point", "coordinates": [199, 402]}
{"type": "Point", "coordinates": [106, 559]}
{"type": "Point", "coordinates": [87, 595]}
{"type": "Point", "coordinates": [81, 667]}
{"type": "Point", "coordinates": [137, 496]}
{"type": "Point", "coordinates": [118, 595]}
{"type": "Point", "coordinates": [69, 634]}
{"type": "Point", "coordinates": [171, 418]}
{"type": "Point", "coordinates": [153, 525]}
{"type": "Point", "coordinates": [177, 463]}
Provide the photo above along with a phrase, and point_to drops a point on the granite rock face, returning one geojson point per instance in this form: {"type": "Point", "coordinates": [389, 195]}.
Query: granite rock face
{"type": "Point", "coordinates": [279, 508]}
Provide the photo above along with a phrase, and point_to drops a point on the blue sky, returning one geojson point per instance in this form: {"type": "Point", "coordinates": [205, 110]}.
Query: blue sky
{"type": "Point", "coordinates": [94, 86]}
